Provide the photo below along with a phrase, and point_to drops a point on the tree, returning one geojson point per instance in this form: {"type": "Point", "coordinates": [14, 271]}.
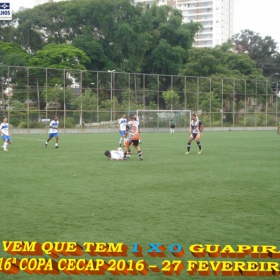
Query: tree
{"type": "Point", "coordinates": [86, 101]}
{"type": "Point", "coordinates": [171, 39]}
{"type": "Point", "coordinates": [62, 56]}
{"type": "Point", "coordinates": [129, 38]}
{"type": "Point", "coordinates": [166, 59]}
{"type": "Point", "coordinates": [258, 48]}
{"type": "Point", "coordinates": [94, 50]}
{"type": "Point", "coordinates": [205, 62]}
{"type": "Point", "coordinates": [202, 62]}
{"type": "Point", "coordinates": [171, 99]}
{"type": "Point", "coordinates": [7, 30]}
{"type": "Point", "coordinates": [12, 54]}
{"type": "Point", "coordinates": [42, 25]}
{"type": "Point", "coordinates": [57, 97]}
{"type": "Point", "coordinates": [221, 73]}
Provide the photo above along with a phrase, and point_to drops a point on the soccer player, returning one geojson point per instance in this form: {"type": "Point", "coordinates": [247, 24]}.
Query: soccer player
{"type": "Point", "coordinates": [4, 130]}
{"type": "Point", "coordinates": [137, 120]}
{"type": "Point", "coordinates": [133, 137]}
{"type": "Point", "coordinates": [53, 131]}
{"type": "Point", "coordinates": [114, 155]}
{"type": "Point", "coordinates": [172, 124]}
{"type": "Point", "coordinates": [122, 128]}
{"type": "Point", "coordinates": [200, 125]}
{"type": "Point", "coordinates": [194, 134]}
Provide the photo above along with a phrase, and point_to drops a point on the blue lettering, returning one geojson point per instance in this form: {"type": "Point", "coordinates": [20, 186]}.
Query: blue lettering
{"type": "Point", "coordinates": [4, 13]}
{"type": "Point", "coordinates": [135, 248]}
{"type": "Point", "coordinates": [172, 246]}
{"type": "Point", "coordinates": [154, 248]}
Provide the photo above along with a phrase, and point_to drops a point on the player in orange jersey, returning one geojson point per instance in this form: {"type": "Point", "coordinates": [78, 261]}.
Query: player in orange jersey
{"type": "Point", "coordinates": [133, 137]}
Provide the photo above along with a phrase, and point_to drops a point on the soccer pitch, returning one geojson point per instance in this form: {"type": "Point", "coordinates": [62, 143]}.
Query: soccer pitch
{"type": "Point", "coordinates": [227, 195]}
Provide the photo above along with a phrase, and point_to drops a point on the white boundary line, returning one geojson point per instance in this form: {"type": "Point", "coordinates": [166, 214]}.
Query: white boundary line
{"type": "Point", "coordinates": [29, 139]}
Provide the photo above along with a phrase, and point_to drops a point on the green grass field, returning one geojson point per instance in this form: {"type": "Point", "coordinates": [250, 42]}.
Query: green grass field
{"type": "Point", "coordinates": [227, 195]}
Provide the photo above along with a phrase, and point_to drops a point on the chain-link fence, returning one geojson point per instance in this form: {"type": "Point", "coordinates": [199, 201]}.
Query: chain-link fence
{"type": "Point", "coordinates": [30, 97]}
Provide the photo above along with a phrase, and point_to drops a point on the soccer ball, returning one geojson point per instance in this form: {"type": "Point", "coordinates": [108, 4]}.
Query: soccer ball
{"type": "Point", "coordinates": [119, 149]}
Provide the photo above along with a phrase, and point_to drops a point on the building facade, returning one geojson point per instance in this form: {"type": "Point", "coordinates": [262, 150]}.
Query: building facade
{"type": "Point", "coordinates": [216, 16]}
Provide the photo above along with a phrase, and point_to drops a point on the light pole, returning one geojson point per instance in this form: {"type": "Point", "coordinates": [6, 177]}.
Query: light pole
{"type": "Point", "coordinates": [111, 71]}
{"type": "Point", "coordinates": [273, 75]}
{"type": "Point", "coordinates": [276, 85]}
{"type": "Point", "coordinates": [81, 115]}
{"type": "Point", "coordinates": [276, 105]}
{"type": "Point", "coordinates": [276, 94]}
{"type": "Point", "coordinates": [88, 85]}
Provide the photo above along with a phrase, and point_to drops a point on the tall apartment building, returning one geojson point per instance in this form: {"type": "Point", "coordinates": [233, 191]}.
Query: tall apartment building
{"type": "Point", "coordinates": [216, 16]}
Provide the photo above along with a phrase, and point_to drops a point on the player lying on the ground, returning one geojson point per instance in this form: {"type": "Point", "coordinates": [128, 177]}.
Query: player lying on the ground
{"type": "Point", "coordinates": [115, 154]}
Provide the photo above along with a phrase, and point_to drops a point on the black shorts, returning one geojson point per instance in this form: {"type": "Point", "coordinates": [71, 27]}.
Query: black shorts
{"type": "Point", "coordinates": [173, 126]}
{"type": "Point", "coordinates": [135, 143]}
{"type": "Point", "coordinates": [194, 135]}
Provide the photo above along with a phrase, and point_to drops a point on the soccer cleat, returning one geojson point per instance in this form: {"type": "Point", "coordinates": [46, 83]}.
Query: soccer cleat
{"type": "Point", "coordinates": [5, 150]}
{"type": "Point", "coordinates": [120, 144]}
{"type": "Point", "coordinates": [2, 147]}
{"type": "Point", "coordinates": [187, 153]}
{"type": "Point", "coordinates": [56, 147]}
{"type": "Point", "coordinates": [46, 144]}
{"type": "Point", "coordinates": [199, 152]}
{"type": "Point", "coordinates": [141, 158]}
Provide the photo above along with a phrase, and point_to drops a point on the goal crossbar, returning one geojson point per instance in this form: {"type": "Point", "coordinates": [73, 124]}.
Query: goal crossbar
{"type": "Point", "coordinates": [160, 119]}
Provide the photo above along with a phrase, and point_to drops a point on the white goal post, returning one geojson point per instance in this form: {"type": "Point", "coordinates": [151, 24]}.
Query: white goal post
{"type": "Point", "coordinates": [159, 120]}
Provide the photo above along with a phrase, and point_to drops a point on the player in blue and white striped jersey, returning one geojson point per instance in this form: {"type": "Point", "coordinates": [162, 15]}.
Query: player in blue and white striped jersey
{"type": "Point", "coordinates": [4, 130]}
{"type": "Point", "coordinates": [122, 129]}
{"type": "Point", "coordinates": [53, 132]}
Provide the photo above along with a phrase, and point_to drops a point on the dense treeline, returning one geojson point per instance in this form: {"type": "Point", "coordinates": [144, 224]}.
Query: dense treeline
{"type": "Point", "coordinates": [112, 34]}
{"type": "Point", "coordinates": [98, 35]}
{"type": "Point", "coordinates": [121, 36]}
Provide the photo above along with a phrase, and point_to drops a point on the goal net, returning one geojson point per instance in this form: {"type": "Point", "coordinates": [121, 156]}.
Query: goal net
{"type": "Point", "coordinates": [159, 120]}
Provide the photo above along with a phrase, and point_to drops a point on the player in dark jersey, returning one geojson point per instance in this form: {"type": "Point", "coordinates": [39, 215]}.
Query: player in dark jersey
{"type": "Point", "coordinates": [172, 124]}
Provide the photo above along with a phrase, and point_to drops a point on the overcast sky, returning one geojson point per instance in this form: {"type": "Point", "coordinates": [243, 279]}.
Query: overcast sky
{"type": "Point", "coordinates": [260, 16]}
